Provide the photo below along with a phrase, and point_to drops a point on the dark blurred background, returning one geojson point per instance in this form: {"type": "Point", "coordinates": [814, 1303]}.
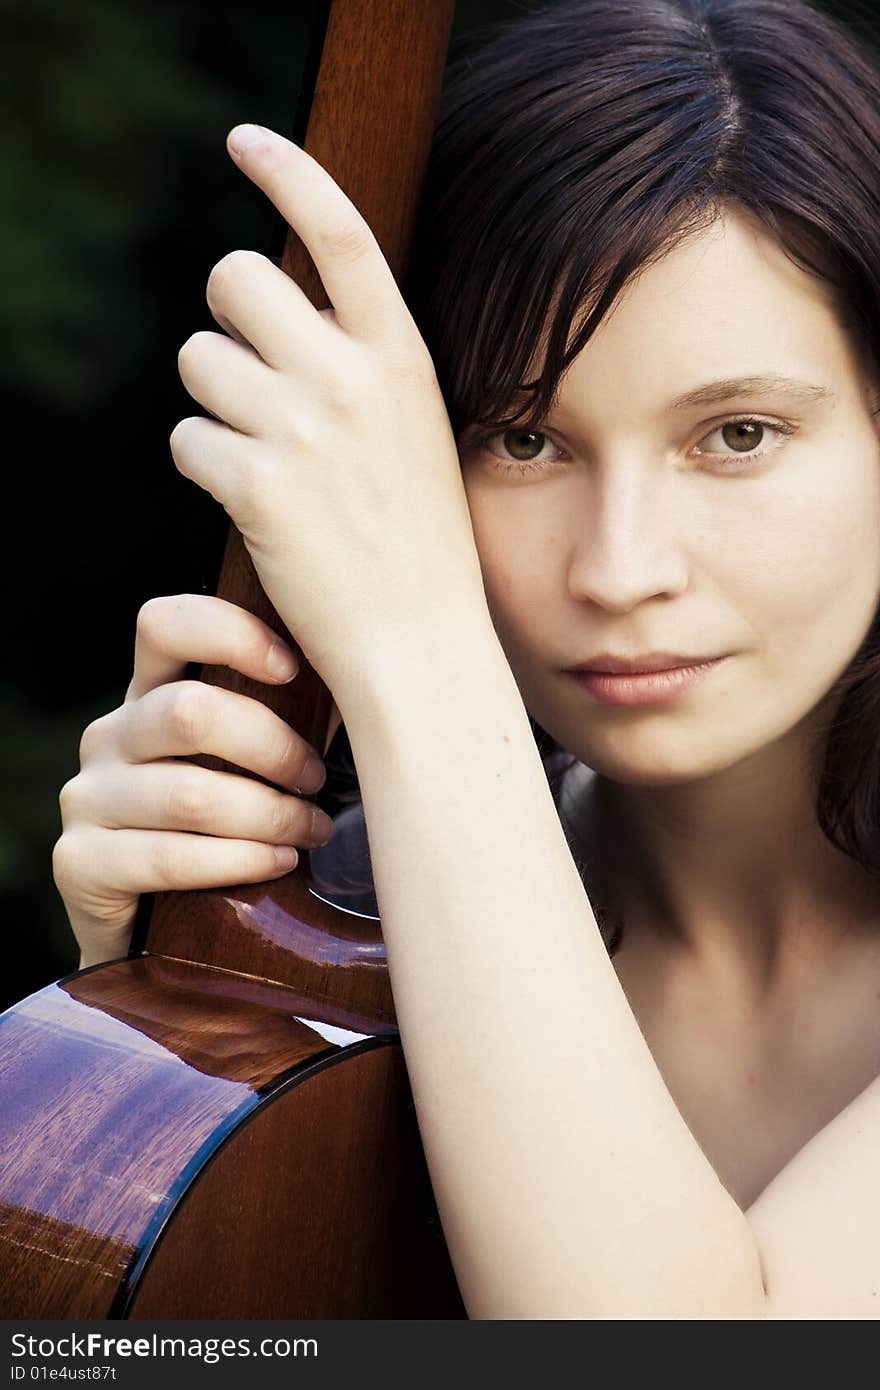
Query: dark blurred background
{"type": "Point", "coordinates": [119, 197]}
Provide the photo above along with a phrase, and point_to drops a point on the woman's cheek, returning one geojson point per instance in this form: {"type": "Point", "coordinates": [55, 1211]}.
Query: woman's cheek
{"type": "Point", "coordinates": [813, 574]}
{"type": "Point", "coordinates": [516, 550]}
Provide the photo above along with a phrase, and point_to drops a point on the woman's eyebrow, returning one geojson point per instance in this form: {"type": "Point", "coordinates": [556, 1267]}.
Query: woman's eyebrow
{"type": "Point", "coordinates": [770, 384]}
{"type": "Point", "coordinates": [767, 384]}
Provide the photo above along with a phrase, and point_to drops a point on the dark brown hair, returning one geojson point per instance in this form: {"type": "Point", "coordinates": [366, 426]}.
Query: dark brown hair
{"type": "Point", "coordinates": [587, 138]}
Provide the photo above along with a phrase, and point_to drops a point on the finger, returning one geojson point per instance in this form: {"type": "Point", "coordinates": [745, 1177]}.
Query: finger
{"type": "Point", "coordinates": [229, 379]}
{"type": "Point", "coordinates": [178, 796]}
{"type": "Point", "coordinates": [219, 459]}
{"type": "Point", "coordinates": [149, 861]}
{"type": "Point", "coordinates": [229, 327]}
{"type": "Point", "coordinates": [239, 313]}
{"type": "Point", "coordinates": [349, 260]}
{"type": "Point", "coordinates": [271, 312]}
{"type": "Point", "coordinates": [174, 630]}
{"type": "Point", "coordinates": [190, 717]}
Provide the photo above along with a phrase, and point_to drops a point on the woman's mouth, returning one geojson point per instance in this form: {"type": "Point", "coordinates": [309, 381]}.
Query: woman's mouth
{"type": "Point", "coordinates": [649, 688]}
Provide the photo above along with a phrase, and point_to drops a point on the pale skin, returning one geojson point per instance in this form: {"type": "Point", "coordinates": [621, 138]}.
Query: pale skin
{"type": "Point", "coordinates": [778, 565]}
{"type": "Point", "coordinates": [548, 1081]}
{"type": "Point", "coordinates": [745, 928]}
{"type": "Point", "coordinates": [137, 820]}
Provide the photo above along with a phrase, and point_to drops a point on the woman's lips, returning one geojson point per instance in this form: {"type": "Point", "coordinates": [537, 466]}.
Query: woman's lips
{"type": "Point", "coordinates": [650, 688]}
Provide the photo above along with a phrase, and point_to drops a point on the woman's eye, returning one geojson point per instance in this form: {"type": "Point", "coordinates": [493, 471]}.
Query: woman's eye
{"type": "Point", "coordinates": [744, 438]}
{"type": "Point", "coordinates": [518, 449]}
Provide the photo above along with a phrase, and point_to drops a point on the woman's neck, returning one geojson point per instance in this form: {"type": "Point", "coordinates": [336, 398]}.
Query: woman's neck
{"type": "Point", "coordinates": [731, 876]}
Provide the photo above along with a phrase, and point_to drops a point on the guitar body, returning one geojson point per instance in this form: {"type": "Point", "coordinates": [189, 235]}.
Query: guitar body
{"type": "Point", "coordinates": [180, 1142]}
{"type": "Point", "coordinates": [220, 1125]}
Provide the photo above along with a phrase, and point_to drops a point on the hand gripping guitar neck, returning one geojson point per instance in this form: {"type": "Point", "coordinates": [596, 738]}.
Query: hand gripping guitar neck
{"type": "Point", "coordinates": [220, 1125]}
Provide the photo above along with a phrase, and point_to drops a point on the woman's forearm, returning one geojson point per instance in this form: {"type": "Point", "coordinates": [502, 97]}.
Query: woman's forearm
{"type": "Point", "coordinates": [568, 1184]}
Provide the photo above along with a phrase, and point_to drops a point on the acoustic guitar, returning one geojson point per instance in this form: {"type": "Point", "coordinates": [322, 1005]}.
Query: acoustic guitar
{"type": "Point", "coordinates": [220, 1125]}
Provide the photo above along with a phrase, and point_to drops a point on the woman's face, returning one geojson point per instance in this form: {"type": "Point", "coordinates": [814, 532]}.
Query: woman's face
{"type": "Point", "coordinates": [645, 526]}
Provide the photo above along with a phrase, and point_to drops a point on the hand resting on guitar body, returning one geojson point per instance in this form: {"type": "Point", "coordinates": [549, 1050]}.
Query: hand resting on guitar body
{"type": "Point", "coordinates": [138, 817]}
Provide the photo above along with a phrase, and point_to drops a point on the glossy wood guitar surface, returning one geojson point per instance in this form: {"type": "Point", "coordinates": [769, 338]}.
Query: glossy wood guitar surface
{"type": "Point", "coordinates": [171, 1091]}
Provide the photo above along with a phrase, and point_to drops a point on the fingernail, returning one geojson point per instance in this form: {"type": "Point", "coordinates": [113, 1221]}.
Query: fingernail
{"type": "Point", "coordinates": [243, 136]}
{"type": "Point", "coordinates": [285, 856]}
{"type": "Point", "coordinates": [322, 827]}
{"type": "Point", "coordinates": [280, 663]}
{"type": "Point", "coordinates": [314, 775]}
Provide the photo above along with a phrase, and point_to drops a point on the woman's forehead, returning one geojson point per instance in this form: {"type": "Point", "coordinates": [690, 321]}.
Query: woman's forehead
{"type": "Point", "coordinates": [725, 303]}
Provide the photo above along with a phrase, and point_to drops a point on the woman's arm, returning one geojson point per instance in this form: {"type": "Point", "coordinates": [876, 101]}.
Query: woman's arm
{"type": "Point", "coordinates": [568, 1184]}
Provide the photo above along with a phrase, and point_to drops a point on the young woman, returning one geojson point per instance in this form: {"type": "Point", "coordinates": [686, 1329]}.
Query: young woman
{"type": "Point", "coordinates": [627, 421]}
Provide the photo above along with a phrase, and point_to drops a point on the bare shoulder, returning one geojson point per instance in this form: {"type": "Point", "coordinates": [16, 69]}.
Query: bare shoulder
{"type": "Point", "coordinates": [817, 1224]}
{"type": "Point", "coordinates": [793, 1130]}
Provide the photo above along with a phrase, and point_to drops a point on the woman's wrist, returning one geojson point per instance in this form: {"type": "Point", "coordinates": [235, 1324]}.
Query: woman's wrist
{"type": "Point", "coordinates": [398, 668]}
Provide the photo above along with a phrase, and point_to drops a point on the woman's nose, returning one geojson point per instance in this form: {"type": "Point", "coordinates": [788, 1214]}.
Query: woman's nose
{"type": "Point", "coordinates": [629, 539]}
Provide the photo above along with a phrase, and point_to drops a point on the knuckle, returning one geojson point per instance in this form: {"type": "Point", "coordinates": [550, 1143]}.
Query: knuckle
{"type": "Point", "coordinates": [156, 615]}
{"type": "Point", "coordinates": [189, 804]}
{"type": "Point", "coordinates": [338, 395]}
{"type": "Point", "coordinates": [190, 712]}
{"type": "Point", "coordinates": [183, 434]}
{"type": "Point", "coordinates": [75, 855]}
{"type": "Point", "coordinates": [84, 869]}
{"type": "Point", "coordinates": [69, 798]}
{"type": "Point", "coordinates": [347, 383]}
{"type": "Point", "coordinates": [92, 738]}
{"type": "Point", "coordinates": [151, 618]}
{"type": "Point", "coordinates": [290, 758]}
{"type": "Point", "coordinates": [66, 861]}
{"type": "Point", "coordinates": [184, 353]}
{"type": "Point", "coordinates": [281, 817]}
{"type": "Point", "coordinates": [301, 429]}
{"type": "Point", "coordinates": [194, 344]}
{"type": "Point", "coordinates": [234, 265]}
{"type": "Point", "coordinates": [346, 239]}
{"type": "Point", "coordinates": [170, 862]}
{"type": "Point", "coordinates": [87, 742]}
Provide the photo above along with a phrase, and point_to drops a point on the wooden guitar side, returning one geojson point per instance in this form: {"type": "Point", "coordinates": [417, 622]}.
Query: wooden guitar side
{"type": "Point", "coordinates": [181, 1144]}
